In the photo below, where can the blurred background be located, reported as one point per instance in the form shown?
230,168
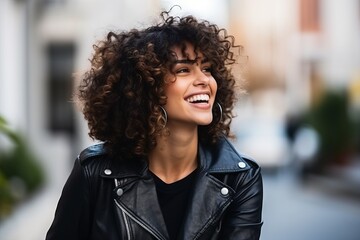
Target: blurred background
299,116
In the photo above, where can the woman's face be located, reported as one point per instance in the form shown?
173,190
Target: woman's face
191,89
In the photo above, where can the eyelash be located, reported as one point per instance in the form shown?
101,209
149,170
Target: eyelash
182,70
207,69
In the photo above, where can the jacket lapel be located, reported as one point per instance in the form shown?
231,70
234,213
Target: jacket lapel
205,206
134,192
136,199
210,196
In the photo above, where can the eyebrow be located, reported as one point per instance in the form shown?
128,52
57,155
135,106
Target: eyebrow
190,61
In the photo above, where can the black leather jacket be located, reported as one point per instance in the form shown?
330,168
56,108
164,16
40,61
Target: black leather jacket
105,199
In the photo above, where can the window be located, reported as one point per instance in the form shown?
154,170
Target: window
59,87
309,15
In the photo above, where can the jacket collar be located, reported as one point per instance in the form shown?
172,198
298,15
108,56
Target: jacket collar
219,158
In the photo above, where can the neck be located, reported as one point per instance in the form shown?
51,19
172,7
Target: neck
175,155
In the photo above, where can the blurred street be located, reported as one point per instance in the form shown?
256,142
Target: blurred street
314,211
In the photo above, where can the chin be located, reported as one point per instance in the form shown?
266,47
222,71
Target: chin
205,122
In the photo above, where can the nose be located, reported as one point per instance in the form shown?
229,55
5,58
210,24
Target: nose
201,78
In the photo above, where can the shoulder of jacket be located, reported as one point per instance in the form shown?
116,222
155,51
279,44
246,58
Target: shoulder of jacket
251,161
91,152
242,156
223,157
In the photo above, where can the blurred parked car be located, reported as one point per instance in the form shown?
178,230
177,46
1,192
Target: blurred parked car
265,141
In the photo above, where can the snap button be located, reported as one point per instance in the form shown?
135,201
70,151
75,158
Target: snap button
107,171
119,192
241,165
224,191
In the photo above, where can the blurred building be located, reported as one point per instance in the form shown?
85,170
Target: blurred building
297,50
43,43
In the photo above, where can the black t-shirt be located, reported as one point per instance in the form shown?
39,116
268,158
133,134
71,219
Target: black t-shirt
173,200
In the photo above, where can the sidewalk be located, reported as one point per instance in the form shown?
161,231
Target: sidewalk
31,220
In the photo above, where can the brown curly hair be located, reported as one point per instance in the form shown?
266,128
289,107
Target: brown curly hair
124,89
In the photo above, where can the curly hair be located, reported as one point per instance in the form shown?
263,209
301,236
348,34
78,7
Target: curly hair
123,92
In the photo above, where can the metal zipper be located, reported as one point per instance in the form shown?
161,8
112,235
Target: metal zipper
126,226
126,214
116,182
124,211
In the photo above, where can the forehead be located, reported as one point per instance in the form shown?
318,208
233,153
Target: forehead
186,51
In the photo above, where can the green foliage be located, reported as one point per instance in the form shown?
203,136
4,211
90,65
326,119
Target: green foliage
17,165
6,198
335,127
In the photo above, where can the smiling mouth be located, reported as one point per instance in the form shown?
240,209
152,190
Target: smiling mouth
201,98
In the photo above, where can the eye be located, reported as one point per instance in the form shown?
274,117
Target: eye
207,69
182,70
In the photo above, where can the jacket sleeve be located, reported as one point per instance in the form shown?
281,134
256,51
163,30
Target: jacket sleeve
71,221
243,220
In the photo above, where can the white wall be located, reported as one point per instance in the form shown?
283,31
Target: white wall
341,24
12,63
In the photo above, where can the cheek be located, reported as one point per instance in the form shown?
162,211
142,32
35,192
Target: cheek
170,90
169,85
213,85
176,88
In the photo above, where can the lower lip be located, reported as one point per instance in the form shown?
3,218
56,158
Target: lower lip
203,106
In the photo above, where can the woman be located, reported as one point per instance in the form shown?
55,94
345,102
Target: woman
160,100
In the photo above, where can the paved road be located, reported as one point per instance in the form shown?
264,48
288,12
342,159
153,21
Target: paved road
293,211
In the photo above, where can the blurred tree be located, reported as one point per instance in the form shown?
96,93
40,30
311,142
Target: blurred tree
330,118
20,173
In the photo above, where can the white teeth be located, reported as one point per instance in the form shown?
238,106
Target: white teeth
200,97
